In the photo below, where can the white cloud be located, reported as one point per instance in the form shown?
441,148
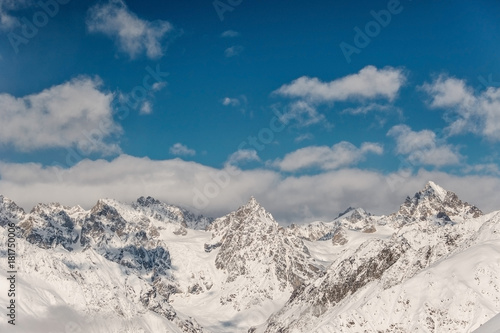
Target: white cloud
289,199
423,148
303,137
466,111
487,169
303,114
364,109
340,155
240,102
233,51
181,150
230,34
157,86
370,82
448,92
75,113
227,101
146,108
243,155
132,34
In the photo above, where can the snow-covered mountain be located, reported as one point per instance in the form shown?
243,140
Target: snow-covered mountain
432,266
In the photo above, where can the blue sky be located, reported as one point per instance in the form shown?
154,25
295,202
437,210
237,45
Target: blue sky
309,106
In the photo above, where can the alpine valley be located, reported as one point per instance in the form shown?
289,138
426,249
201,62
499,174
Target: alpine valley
432,266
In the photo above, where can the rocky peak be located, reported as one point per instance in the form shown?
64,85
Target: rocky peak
164,212
149,201
437,191
251,216
435,202
9,211
254,250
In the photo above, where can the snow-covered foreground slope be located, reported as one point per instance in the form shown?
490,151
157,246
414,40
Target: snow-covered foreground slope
432,266
61,291
435,274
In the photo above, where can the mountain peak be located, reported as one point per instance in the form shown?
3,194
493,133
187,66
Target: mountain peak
147,201
434,200
252,202
360,212
437,190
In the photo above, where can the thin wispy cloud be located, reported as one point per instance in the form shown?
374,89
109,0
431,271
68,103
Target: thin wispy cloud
230,34
304,137
228,101
233,51
181,150
8,19
302,114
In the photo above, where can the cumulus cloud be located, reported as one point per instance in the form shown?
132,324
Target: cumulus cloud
181,150
339,155
370,82
422,147
466,111
243,155
133,35
230,34
76,113
233,51
289,199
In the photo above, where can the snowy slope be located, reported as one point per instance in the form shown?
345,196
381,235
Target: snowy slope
429,277
432,266
492,326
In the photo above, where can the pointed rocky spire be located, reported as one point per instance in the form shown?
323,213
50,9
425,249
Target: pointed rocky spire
435,189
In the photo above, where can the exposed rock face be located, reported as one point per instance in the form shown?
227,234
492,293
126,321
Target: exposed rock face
255,251
126,235
434,201
136,246
9,211
351,219
339,237
431,265
433,225
160,211
51,225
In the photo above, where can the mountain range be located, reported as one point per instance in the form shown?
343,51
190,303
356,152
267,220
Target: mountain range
431,266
